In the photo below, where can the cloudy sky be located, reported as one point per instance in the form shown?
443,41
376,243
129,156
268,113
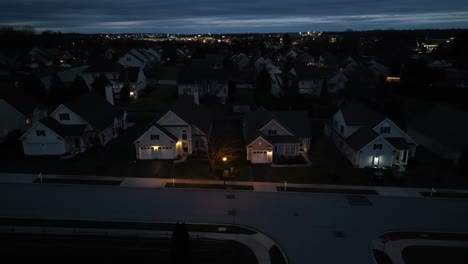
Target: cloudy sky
218,16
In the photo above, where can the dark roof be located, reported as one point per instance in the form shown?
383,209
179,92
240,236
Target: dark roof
137,55
358,114
64,130
193,73
169,134
445,124
96,110
105,66
296,122
129,74
309,72
23,103
398,143
361,137
193,114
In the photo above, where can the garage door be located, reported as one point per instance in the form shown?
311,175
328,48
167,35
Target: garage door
259,157
147,153
43,149
165,153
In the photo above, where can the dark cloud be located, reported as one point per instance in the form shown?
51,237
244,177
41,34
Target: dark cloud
180,16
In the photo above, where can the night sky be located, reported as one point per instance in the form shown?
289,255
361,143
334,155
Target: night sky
218,16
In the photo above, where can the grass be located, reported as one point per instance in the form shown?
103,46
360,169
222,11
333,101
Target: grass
210,186
158,99
192,169
78,181
327,190
121,225
435,254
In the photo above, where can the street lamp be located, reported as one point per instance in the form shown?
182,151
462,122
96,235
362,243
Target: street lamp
224,169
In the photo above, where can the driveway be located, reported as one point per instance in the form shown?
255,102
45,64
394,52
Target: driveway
262,172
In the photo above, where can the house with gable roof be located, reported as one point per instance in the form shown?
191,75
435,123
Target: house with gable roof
75,127
368,138
178,132
270,135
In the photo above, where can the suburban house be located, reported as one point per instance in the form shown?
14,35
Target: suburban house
19,113
205,84
337,82
369,139
309,79
179,132
139,58
74,127
273,135
276,79
442,130
132,77
66,76
108,68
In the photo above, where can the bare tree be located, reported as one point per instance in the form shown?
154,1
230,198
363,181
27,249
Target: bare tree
209,88
216,150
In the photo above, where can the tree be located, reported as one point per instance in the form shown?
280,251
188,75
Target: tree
286,41
262,88
33,85
78,87
181,245
99,85
209,89
218,149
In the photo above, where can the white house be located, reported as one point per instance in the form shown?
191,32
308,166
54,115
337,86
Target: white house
309,79
369,139
74,127
19,113
337,82
107,68
179,132
276,80
139,58
271,135
66,76
134,78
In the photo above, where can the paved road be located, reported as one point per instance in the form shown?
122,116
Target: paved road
301,223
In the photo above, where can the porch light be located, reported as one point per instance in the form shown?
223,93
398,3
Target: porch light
224,159
132,93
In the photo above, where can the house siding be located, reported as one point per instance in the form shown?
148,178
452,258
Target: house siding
258,144
366,155
74,118
31,141
273,125
164,140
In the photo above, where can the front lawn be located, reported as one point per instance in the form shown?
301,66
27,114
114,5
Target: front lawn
196,169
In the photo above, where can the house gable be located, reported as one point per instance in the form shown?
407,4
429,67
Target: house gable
395,131
260,144
274,125
171,119
145,139
74,119
30,136
5,105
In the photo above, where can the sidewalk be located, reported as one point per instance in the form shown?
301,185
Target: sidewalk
257,186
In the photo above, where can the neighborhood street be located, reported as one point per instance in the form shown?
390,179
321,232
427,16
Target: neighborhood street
311,228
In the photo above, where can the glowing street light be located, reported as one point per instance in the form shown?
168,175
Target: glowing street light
224,159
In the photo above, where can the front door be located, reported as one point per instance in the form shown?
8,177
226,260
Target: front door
185,147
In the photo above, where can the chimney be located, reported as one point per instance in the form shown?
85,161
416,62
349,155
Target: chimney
196,97
110,94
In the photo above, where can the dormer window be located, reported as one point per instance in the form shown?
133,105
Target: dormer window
384,130
272,132
64,116
154,137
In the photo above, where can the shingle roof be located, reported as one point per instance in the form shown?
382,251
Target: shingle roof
96,110
398,143
309,72
193,114
444,124
358,114
129,74
169,134
23,103
64,130
361,137
105,66
296,122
